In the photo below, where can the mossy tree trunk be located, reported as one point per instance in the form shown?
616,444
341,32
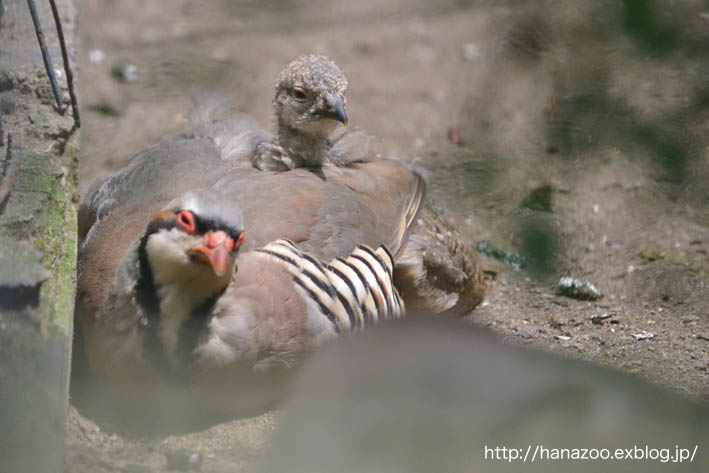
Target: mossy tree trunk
38,243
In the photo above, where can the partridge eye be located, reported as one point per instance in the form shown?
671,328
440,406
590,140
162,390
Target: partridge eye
186,221
299,93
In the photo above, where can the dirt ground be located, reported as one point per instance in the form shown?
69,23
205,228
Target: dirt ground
574,136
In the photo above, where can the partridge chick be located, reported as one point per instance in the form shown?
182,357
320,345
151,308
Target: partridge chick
309,113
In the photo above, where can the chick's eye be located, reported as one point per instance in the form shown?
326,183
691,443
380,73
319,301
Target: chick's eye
185,220
299,93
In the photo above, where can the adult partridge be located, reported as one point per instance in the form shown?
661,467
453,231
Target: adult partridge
146,288
204,351
180,325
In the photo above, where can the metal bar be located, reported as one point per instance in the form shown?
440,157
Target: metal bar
67,66
2,132
45,55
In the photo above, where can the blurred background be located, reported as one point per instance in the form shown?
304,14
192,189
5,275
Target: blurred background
563,139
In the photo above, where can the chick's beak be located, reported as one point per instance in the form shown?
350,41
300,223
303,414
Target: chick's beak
334,108
215,251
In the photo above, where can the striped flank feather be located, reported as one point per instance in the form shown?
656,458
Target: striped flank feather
349,292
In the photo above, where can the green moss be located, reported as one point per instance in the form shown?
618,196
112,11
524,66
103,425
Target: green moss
696,263
699,265
41,212
57,241
652,255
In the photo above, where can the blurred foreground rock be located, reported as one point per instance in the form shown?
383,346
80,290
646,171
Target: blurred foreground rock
38,241
425,395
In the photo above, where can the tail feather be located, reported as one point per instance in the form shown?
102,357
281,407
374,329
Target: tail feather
437,270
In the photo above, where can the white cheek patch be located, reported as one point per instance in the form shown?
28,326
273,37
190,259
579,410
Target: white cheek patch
167,253
171,264
182,285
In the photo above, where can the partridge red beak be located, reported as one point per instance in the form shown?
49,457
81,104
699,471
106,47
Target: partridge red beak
215,251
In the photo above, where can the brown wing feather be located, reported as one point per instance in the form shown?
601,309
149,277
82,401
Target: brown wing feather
412,209
329,211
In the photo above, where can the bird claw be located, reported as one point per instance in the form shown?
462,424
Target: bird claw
272,157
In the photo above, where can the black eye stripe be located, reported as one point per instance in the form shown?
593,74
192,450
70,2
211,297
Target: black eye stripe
159,224
202,225
206,224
